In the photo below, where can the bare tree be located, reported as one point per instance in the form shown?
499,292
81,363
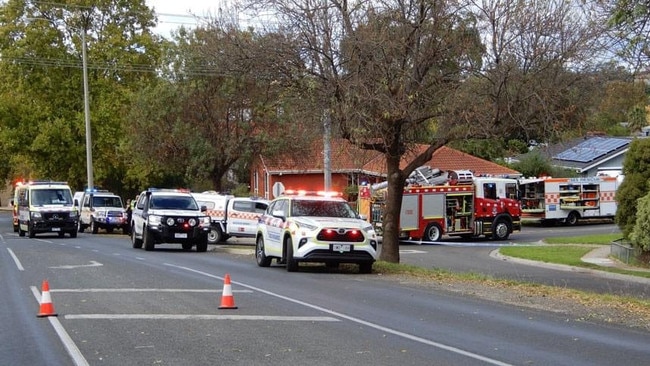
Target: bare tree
537,53
383,71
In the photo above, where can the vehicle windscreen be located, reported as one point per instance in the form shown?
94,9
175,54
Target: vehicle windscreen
51,196
107,202
173,203
322,209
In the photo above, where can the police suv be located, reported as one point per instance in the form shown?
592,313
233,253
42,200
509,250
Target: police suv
169,216
102,210
314,227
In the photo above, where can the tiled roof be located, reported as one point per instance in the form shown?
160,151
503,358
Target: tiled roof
346,157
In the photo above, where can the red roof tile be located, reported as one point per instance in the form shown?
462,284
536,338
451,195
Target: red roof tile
346,157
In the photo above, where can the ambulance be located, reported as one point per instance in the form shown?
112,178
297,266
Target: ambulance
568,200
231,216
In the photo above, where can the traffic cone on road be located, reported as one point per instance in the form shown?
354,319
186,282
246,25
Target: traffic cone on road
227,300
47,308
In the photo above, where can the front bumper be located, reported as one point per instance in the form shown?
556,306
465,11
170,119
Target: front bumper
166,234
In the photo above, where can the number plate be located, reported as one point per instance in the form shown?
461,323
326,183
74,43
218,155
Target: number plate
341,247
180,235
56,229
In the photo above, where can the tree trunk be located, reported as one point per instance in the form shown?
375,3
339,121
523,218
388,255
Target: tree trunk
390,244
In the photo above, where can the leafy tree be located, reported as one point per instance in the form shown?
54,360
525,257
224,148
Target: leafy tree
225,101
534,165
41,69
631,26
640,235
636,168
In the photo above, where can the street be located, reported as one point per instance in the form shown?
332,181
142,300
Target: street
121,306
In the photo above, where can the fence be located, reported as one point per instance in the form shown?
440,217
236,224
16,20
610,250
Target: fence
622,250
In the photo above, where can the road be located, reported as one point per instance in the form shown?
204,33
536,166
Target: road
120,306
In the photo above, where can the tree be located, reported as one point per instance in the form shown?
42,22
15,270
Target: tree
636,168
534,82
225,101
640,235
631,28
384,71
41,70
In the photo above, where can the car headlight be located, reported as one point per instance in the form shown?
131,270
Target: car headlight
155,219
205,221
101,213
302,225
36,215
170,221
192,222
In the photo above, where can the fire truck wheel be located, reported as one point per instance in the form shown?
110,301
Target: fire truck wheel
572,219
501,230
433,233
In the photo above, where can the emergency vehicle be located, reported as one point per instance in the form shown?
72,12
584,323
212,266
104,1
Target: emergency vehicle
45,207
231,216
568,200
465,206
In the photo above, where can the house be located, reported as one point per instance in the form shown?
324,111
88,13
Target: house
351,166
587,156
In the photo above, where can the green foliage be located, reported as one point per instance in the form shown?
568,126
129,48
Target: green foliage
636,168
534,165
488,149
640,235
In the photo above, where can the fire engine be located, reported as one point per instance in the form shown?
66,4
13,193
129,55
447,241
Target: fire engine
568,200
464,205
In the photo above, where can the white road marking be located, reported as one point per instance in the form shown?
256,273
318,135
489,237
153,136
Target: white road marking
16,260
68,343
79,290
359,321
200,317
92,264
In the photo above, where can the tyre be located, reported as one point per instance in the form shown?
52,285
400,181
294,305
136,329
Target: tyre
31,232
433,233
109,230
147,239
21,232
80,226
73,234
187,246
365,268
260,257
93,226
572,219
500,229
15,228
292,263
215,235
202,245
137,243
61,234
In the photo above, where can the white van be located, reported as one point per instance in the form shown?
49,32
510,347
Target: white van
46,206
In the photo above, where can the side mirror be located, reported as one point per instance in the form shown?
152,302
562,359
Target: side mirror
279,214
204,208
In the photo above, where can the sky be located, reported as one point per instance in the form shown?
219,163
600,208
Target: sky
174,13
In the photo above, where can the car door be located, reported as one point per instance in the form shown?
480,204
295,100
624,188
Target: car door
137,217
274,227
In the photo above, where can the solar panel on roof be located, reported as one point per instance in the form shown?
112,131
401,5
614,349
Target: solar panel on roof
591,149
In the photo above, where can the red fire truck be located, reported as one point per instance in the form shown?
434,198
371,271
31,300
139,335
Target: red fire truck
465,206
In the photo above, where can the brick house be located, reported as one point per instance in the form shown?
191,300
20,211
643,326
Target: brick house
351,167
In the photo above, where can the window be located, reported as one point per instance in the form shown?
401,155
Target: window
490,190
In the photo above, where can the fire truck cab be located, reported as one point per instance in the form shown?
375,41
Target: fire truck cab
464,206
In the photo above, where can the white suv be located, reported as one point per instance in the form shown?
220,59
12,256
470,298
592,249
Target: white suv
169,216
310,227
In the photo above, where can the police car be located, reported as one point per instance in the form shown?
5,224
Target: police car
320,227
169,216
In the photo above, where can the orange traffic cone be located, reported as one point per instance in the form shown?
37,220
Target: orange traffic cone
47,308
227,300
